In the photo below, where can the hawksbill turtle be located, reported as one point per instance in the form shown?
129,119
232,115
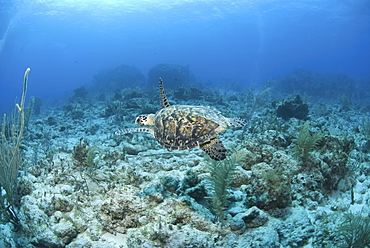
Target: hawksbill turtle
182,127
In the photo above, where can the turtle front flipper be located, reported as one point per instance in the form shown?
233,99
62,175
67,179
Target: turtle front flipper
135,130
236,122
164,100
215,149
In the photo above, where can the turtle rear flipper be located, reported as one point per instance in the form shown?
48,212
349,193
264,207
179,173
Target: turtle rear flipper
215,149
134,130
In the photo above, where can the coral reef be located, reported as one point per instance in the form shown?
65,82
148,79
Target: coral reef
293,107
286,183
328,86
118,78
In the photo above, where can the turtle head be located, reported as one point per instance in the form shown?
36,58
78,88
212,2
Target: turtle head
145,120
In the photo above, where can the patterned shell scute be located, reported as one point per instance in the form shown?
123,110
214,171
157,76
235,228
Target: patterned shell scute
182,127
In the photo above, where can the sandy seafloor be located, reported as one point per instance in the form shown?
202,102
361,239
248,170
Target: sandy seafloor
131,192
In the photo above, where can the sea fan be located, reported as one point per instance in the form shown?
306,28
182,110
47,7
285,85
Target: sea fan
219,179
355,230
307,142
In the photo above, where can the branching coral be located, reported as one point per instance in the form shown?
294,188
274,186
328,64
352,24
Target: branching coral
11,158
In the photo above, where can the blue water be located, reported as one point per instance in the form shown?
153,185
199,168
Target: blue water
66,42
